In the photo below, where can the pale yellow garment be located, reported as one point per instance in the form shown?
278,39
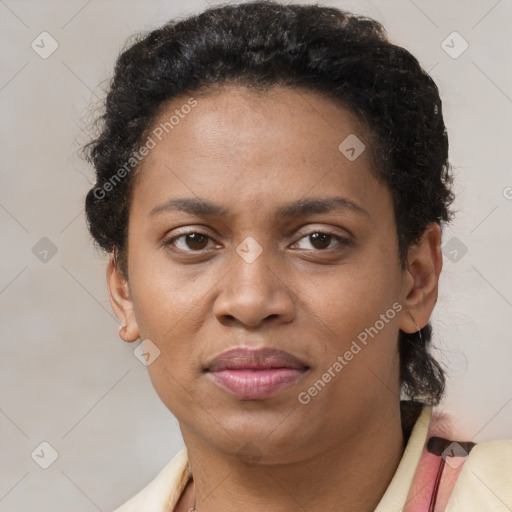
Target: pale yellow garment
484,484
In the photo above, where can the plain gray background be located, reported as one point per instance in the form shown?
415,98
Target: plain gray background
67,379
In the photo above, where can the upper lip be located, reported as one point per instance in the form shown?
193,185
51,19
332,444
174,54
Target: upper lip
242,358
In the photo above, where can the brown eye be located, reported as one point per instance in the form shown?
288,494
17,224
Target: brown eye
189,242
196,241
320,240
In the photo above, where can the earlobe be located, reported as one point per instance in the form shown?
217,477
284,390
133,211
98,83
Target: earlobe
421,280
121,301
128,335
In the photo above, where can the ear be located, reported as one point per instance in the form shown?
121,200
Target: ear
421,279
121,301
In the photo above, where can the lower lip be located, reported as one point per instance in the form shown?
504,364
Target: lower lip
256,384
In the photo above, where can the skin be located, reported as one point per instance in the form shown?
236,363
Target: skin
251,153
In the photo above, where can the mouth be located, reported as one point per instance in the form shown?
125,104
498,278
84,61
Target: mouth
255,374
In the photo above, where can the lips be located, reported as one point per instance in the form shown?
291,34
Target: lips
255,374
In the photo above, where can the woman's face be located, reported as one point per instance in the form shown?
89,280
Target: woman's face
277,237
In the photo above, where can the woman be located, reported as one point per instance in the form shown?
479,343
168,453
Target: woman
271,185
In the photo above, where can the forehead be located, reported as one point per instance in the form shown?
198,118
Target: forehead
255,147
235,114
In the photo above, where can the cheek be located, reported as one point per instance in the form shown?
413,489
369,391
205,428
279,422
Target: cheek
166,297
355,295
354,318
356,309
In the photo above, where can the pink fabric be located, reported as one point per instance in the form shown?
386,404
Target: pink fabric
440,464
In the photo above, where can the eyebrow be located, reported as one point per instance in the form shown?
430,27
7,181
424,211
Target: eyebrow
301,207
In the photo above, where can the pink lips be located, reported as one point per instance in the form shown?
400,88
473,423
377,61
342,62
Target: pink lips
255,374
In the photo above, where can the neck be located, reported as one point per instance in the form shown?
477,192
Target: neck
350,473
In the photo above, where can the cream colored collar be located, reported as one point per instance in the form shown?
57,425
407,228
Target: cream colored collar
395,496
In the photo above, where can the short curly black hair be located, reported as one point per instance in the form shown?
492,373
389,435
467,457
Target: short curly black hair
260,44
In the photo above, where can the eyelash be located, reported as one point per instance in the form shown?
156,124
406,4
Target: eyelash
340,239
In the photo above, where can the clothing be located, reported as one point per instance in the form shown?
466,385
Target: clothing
473,478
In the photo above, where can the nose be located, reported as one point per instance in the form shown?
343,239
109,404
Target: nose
254,292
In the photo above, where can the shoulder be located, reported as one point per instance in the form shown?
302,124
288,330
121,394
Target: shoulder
485,481
164,491
460,476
